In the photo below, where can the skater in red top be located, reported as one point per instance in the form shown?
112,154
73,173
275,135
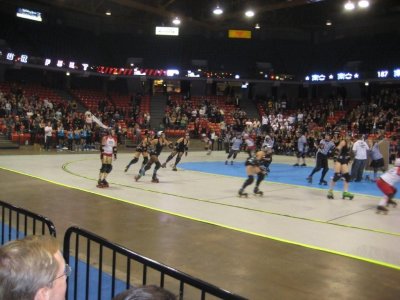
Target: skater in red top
386,183
108,148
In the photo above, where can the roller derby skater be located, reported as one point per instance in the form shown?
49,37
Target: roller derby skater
254,166
155,147
181,147
302,148
325,147
141,150
341,168
108,148
386,183
236,143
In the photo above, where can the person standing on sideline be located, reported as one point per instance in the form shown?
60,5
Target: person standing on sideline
360,150
341,168
302,145
33,268
377,162
386,183
48,132
326,147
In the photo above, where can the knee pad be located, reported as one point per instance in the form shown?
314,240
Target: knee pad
346,177
158,165
145,160
103,168
336,177
109,168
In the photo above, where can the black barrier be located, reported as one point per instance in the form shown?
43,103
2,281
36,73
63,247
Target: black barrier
17,223
123,265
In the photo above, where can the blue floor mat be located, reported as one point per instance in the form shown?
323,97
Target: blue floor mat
283,173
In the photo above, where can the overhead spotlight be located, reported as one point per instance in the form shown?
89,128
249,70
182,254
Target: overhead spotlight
257,26
218,10
249,13
108,12
366,83
67,74
363,3
328,23
176,21
349,5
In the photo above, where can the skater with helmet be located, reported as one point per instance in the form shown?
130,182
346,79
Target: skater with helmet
108,148
341,168
386,183
181,147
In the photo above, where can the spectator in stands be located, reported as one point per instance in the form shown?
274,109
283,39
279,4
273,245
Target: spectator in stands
33,268
150,292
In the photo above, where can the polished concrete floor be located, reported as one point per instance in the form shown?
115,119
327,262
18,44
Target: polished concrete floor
280,246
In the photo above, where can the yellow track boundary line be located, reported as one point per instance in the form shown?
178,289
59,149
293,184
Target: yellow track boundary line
376,262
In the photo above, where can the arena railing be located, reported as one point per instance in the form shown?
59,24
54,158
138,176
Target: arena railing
17,223
102,269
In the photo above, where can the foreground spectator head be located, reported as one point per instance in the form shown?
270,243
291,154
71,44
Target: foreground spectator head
32,269
150,292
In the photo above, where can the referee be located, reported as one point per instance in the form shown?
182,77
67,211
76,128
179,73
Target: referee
326,147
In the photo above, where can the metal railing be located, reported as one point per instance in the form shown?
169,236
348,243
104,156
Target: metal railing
17,223
93,258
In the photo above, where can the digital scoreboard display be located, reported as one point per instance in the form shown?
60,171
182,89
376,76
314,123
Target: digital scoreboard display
29,14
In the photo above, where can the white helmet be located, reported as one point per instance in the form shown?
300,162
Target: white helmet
397,162
159,133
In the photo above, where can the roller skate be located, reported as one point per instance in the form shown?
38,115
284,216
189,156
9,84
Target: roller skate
99,184
258,192
323,182
330,194
296,165
381,210
174,168
303,165
208,152
137,177
347,195
392,203
104,183
163,165
155,179
126,169
242,193
309,179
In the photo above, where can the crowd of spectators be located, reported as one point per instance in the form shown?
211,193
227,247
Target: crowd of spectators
30,114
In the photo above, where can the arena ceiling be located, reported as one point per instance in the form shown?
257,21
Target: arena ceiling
197,16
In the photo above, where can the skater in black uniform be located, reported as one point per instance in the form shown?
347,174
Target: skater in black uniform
325,148
254,166
141,149
181,147
341,168
156,146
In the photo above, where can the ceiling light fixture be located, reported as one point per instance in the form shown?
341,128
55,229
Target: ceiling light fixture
108,13
363,3
328,23
176,21
257,26
218,10
249,13
349,5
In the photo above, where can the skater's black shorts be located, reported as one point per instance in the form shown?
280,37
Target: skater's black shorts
301,154
322,161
